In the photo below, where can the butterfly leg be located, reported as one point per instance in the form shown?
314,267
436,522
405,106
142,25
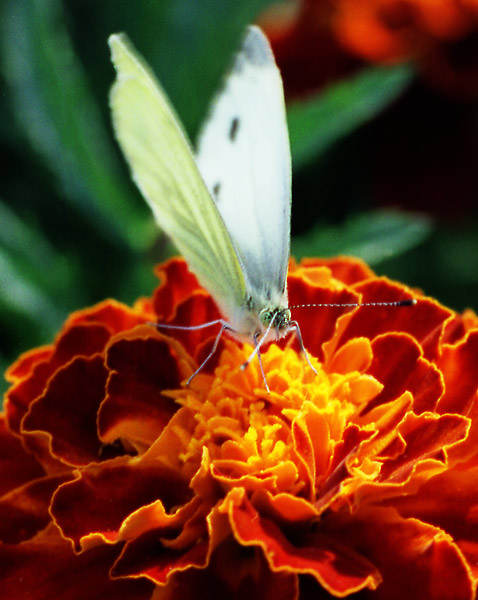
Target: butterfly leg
296,328
258,346
257,350
224,326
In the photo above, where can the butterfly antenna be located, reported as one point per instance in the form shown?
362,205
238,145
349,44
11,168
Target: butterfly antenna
406,302
295,325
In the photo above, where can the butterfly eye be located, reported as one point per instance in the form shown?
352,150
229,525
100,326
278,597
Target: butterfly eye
284,318
266,315
280,317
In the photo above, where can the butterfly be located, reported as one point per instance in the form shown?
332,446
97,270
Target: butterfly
227,209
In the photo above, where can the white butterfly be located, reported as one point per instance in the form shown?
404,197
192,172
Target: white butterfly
237,244
228,212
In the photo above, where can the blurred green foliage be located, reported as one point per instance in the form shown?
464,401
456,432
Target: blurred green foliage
73,228
317,122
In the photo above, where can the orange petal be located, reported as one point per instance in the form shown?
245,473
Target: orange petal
232,572
425,436
416,560
103,496
16,465
134,410
47,567
338,569
177,284
436,503
145,556
67,411
459,365
398,364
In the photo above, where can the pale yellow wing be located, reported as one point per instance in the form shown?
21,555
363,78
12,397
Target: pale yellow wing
163,167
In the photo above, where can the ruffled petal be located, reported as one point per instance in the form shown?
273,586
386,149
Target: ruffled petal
340,571
426,562
141,366
354,475
70,427
47,567
105,495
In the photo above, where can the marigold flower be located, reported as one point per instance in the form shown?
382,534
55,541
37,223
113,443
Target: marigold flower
440,36
119,482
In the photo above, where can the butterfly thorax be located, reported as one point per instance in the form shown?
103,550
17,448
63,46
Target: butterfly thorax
268,314
259,316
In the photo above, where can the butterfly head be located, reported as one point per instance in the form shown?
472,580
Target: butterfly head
276,320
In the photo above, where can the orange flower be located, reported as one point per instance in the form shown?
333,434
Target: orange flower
119,482
390,30
440,35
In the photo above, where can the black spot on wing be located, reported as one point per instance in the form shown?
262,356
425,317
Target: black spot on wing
216,188
234,128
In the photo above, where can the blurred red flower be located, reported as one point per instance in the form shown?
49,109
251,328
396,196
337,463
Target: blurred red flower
119,482
440,36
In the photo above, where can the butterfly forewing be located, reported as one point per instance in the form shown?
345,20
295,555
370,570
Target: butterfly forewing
164,169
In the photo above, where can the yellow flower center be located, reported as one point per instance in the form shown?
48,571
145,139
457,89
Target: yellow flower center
282,441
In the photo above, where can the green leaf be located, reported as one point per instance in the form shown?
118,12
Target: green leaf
374,236
29,255
19,239
318,122
22,295
59,116
188,42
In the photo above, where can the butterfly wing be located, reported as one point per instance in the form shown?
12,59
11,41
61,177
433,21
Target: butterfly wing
244,158
165,171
